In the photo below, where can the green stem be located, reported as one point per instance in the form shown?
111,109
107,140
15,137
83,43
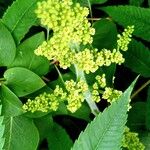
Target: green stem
60,75
90,10
47,36
2,79
88,96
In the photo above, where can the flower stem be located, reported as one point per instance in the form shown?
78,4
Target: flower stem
60,74
88,96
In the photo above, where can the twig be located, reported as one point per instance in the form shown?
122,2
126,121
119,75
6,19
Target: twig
140,89
46,79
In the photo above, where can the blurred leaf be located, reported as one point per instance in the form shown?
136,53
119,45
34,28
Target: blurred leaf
19,17
58,138
137,58
12,106
145,139
25,56
98,1
148,110
20,133
7,46
105,34
136,2
136,116
110,73
131,15
22,81
107,127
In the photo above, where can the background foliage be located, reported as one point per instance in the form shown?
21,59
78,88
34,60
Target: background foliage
25,75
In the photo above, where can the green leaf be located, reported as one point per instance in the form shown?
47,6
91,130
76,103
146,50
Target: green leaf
136,2
145,138
22,81
131,15
98,1
137,58
106,131
19,17
110,73
136,116
105,35
20,133
58,138
55,135
12,106
25,56
7,46
148,110
2,127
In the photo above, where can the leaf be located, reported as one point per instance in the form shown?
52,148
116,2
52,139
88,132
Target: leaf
19,17
148,110
98,1
25,56
137,58
136,116
136,2
110,73
55,135
12,106
2,127
58,138
22,81
20,133
105,34
106,131
145,138
131,15
7,46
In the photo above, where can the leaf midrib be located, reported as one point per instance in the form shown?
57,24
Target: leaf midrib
108,127
23,14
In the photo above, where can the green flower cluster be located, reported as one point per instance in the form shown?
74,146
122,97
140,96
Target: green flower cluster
70,25
43,103
71,28
90,60
124,39
131,141
74,95
109,94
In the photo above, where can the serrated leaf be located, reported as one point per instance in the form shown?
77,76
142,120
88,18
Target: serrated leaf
105,34
25,56
137,58
148,110
136,2
2,127
19,17
12,106
20,133
106,131
22,81
131,15
58,138
7,46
